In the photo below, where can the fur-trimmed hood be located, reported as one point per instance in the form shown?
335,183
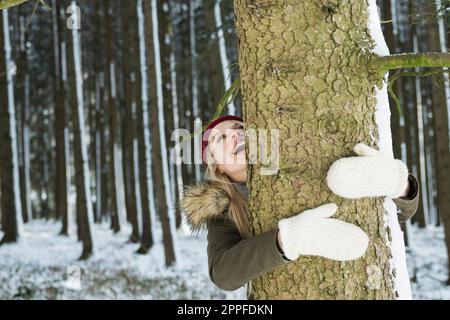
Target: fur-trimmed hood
203,201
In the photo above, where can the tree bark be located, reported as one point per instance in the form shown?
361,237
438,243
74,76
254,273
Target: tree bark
23,109
131,56
113,123
441,138
417,126
83,202
10,192
161,180
61,130
215,75
307,70
145,174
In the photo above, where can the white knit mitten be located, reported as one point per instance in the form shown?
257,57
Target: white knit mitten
372,174
314,233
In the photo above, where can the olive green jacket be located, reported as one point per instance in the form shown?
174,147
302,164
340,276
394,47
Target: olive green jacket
232,261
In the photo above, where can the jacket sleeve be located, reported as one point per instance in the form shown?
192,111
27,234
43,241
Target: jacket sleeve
408,205
232,261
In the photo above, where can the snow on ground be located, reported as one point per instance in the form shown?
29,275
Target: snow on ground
427,263
44,266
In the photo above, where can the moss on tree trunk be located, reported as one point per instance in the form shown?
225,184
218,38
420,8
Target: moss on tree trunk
307,69
5,4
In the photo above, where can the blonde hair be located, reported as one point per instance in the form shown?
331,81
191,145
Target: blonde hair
238,210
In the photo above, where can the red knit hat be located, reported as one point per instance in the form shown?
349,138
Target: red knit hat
208,130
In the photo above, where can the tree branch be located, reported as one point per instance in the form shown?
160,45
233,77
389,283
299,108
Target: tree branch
413,60
5,4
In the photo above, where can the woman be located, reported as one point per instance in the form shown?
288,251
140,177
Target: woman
220,204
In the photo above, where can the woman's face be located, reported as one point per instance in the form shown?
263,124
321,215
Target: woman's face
227,145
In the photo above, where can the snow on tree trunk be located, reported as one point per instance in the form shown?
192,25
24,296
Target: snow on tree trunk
436,43
145,161
193,48
421,154
160,155
61,130
223,53
11,208
176,122
382,119
23,109
130,155
114,169
308,69
84,204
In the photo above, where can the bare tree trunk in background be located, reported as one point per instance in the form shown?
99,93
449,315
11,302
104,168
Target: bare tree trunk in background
10,204
161,180
308,61
441,139
165,30
145,170
95,114
61,130
112,114
71,94
428,133
131,57
23,109
101,142
83,203
165,36
413,125
44,180
215,74
188,87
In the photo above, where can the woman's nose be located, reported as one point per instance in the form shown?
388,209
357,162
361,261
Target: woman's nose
238,133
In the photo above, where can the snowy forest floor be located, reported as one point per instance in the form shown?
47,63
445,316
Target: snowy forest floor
45,266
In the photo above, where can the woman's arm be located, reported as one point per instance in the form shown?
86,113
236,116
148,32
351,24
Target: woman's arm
408,204
233,262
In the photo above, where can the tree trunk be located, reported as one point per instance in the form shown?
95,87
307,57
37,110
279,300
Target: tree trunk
61,130
10,191
101,150
145,173
417,126
96,134
159,154
307,70
215,75
83,203
113,123
441,139
130,153
23,106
